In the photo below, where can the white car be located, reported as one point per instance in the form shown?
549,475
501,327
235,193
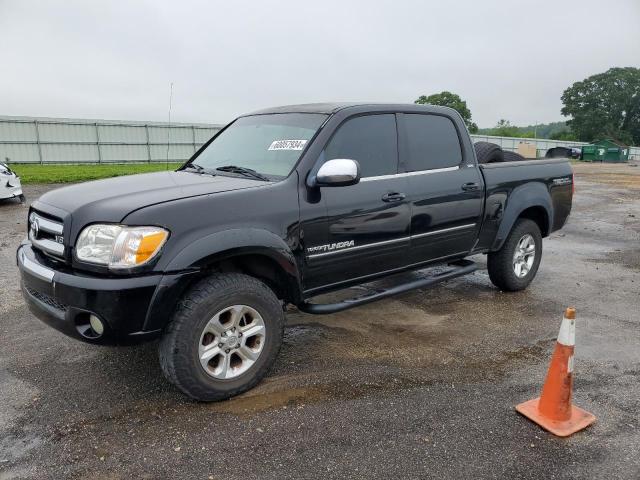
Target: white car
9,184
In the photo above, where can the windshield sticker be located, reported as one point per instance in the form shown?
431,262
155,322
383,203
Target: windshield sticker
287,145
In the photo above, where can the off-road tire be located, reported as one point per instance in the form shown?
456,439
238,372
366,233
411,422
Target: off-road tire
509,156
487,152
178,350
500,263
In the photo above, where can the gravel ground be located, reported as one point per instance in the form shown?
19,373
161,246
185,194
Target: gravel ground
419,386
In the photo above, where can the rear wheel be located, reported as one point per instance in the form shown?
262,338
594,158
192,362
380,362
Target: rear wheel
487,152
515,265
224,337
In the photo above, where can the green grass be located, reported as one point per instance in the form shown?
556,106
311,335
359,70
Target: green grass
81,173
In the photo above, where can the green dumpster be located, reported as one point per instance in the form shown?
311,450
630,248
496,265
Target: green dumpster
614,152
617,155
593,153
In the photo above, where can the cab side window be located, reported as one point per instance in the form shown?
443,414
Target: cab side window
432,142
371,140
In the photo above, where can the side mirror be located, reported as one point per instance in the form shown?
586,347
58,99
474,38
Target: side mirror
338,172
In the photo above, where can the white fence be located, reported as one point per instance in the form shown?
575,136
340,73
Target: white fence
56,140
511,143
542,145
60,140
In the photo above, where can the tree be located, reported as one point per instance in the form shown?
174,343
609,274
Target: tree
563,135
448,99
504,129
554,130
605,105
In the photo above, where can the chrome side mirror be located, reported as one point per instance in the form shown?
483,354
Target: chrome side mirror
338,172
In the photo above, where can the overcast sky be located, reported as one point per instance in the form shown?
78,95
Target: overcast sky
115,59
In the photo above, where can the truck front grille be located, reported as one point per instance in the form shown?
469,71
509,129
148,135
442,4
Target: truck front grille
45,234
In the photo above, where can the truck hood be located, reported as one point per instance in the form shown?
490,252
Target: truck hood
113,199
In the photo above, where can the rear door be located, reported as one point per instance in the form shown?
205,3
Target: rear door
445,190
367,227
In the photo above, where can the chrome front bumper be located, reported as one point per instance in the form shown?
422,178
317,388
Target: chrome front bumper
34,268
64,299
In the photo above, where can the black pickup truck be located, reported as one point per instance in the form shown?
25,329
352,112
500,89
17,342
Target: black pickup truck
278,207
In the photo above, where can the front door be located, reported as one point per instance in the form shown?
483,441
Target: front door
367,224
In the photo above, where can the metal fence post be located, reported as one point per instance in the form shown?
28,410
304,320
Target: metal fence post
35,123
98,143
193,137
146,131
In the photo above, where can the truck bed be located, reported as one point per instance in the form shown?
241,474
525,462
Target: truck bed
510,183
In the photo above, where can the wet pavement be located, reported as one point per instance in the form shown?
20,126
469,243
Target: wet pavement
419,386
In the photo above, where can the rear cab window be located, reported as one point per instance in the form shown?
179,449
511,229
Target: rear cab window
431,142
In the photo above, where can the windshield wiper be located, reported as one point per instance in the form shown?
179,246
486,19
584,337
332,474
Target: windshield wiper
198,169
247,172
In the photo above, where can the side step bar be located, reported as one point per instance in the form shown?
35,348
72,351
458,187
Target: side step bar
462,267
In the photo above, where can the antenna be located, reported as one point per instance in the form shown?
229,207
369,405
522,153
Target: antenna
169,123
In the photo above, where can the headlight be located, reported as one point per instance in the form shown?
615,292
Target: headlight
118,246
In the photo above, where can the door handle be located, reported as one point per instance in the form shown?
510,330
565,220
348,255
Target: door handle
470,187
393,197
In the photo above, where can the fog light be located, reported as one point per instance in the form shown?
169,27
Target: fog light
96,324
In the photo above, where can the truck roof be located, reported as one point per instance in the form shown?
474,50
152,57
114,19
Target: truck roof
333,107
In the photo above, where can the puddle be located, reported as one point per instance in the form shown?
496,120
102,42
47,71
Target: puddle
14,447
628,259
297,397
15,442
392,332
252,403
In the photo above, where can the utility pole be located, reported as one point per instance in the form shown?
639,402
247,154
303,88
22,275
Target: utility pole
169,124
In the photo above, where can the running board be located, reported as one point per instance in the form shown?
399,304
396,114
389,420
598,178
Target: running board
461,267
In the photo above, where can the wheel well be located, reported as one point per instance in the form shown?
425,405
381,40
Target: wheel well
538,215
263,268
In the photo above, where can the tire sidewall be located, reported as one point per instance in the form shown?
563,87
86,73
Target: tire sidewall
509,156
523,228
269,310
487,152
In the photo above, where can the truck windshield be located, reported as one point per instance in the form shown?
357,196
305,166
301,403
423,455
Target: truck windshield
267,144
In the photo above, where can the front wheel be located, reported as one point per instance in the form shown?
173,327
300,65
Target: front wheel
223,338
514,266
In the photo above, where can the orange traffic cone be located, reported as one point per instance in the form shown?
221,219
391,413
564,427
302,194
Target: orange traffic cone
553,410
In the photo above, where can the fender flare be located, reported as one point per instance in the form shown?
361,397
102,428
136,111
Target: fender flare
236,242
230,243
534,194
191,263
